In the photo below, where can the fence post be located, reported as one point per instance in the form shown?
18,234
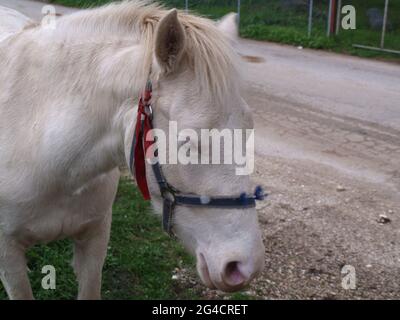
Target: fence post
331,17
338,16
310,14
187,6
384,24
238,12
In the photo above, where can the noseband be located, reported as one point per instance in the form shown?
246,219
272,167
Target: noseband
171,196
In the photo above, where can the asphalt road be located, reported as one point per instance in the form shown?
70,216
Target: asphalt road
328,150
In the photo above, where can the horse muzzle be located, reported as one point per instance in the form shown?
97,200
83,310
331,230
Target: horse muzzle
233,273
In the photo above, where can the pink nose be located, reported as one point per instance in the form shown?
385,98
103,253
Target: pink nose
233,273
237,274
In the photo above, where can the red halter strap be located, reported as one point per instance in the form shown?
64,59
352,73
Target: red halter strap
141,144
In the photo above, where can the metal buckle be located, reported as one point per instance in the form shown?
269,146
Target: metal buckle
168,194
149,111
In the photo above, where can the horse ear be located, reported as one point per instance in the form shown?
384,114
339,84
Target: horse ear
170,40
229,26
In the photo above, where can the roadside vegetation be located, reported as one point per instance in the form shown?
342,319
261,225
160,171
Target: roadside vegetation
286,21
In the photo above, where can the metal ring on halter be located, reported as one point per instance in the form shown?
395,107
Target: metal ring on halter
149,111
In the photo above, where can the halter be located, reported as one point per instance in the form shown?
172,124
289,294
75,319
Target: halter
171,196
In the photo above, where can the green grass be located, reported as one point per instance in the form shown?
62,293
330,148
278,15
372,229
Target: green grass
267,20
140,259
291,28
342,44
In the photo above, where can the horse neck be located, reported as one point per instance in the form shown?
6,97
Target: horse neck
107,91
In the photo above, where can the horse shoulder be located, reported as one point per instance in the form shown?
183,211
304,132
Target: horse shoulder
61,214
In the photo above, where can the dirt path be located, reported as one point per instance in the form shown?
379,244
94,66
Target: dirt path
328,151
328,146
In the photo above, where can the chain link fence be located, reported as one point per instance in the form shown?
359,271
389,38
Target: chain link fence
378,25
310,23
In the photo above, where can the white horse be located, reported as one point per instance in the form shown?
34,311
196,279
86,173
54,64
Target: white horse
68,102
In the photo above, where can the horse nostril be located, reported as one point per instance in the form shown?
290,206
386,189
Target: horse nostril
232,274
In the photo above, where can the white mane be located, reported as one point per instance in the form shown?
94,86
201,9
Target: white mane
208,51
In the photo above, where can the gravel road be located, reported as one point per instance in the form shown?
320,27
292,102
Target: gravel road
328,151
328,146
